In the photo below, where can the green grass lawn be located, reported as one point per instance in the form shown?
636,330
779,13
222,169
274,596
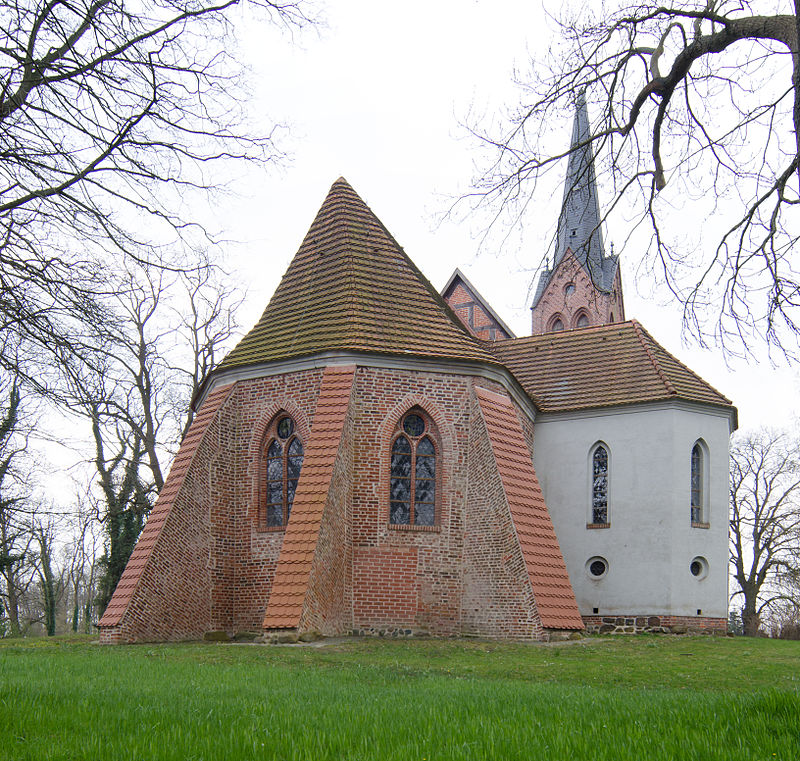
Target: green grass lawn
647,697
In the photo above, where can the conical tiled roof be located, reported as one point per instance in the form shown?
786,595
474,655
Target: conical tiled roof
351,287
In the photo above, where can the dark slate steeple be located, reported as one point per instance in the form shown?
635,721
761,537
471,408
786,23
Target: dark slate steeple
579,221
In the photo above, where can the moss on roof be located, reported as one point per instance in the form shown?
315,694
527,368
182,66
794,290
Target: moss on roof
351,287
602,366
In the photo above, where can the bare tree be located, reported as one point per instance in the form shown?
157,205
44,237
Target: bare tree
207,319
692,100
111,113
166,333
51,578
15,535
80,560
764,524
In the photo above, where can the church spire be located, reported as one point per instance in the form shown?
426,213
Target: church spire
583,287
579,221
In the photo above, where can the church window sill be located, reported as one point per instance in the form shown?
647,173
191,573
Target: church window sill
408,527
598,525
270,529
698,524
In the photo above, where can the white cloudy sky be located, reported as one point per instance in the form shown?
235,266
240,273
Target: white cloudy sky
378,95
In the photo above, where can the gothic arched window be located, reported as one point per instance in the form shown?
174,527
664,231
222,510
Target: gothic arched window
696,484
284,459
582,321
556,324
412,477
600,485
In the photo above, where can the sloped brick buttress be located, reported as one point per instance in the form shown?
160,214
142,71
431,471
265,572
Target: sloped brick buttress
165,590
310,578
546,571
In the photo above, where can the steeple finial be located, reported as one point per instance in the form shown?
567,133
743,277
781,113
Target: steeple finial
579,221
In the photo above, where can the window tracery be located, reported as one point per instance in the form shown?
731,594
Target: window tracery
284,459
600,485
412,477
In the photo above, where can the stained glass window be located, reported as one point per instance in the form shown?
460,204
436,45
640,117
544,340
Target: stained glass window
600,485
412,483
284,459
696,485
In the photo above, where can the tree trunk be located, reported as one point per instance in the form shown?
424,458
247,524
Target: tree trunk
750,619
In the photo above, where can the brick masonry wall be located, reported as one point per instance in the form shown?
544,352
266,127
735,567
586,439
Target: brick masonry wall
600,308
328,604
215,567
497,597
251,553
382,398
633,624
172,596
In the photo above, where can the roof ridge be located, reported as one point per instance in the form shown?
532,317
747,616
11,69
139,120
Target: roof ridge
570,331
446,308
684,365
352,287
640,333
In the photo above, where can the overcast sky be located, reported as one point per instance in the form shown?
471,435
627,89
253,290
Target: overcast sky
380,96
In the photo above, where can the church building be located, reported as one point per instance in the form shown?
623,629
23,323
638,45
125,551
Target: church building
375,457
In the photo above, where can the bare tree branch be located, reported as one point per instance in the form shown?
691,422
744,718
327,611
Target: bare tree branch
696,97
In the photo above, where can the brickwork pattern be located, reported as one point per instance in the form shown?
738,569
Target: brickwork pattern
598,306
328,603
555,601
249,555
498,597
383,396
289,589
339,566
164,592
475,317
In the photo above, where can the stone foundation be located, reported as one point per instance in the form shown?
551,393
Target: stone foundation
631,624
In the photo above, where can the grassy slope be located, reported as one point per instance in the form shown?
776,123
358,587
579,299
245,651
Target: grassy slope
618,698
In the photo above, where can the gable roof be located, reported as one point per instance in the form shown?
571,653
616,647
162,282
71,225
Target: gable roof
601,366
351,287
458,277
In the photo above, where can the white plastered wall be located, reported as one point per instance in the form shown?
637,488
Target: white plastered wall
651,542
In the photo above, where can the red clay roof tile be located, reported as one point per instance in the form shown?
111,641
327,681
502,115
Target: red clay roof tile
552,591
602,366
351,287
293,571
126,587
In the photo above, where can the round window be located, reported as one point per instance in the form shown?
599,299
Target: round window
698,567
596,567
569,289
414,425
285,428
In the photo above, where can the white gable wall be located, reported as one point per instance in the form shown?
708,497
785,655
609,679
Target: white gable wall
650,543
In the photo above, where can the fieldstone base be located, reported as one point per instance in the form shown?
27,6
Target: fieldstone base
630,624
